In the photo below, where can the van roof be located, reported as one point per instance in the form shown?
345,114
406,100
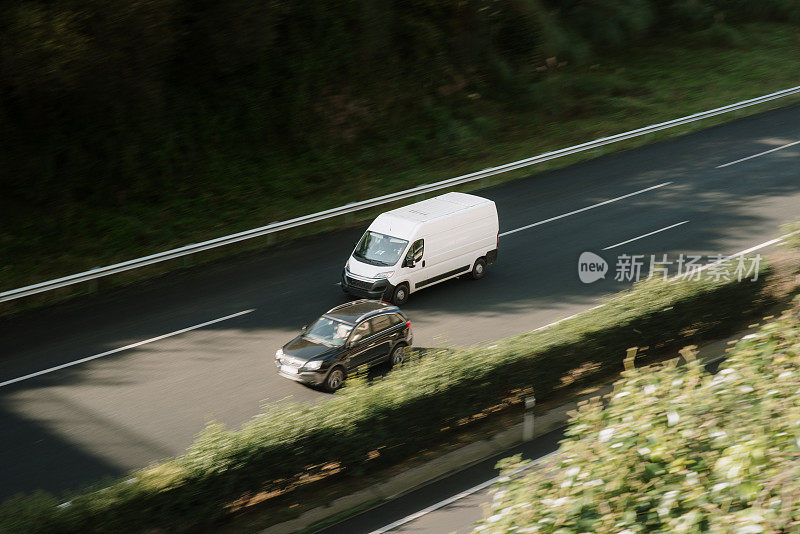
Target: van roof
403,222
436,207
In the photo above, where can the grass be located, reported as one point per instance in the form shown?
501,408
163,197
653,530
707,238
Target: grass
246,187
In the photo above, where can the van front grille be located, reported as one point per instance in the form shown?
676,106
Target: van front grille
359,283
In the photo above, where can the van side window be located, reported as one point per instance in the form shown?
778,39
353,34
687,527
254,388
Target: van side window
416,250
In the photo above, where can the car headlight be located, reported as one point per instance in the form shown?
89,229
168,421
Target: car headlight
279,354
387,274
313,365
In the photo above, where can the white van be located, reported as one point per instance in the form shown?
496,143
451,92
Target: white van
417,246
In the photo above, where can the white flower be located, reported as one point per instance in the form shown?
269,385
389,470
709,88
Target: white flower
572,471
644,451
622,394
673,418
649,389
745,389
605,434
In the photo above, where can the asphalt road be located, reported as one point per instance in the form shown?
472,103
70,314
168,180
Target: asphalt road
123,410
434,509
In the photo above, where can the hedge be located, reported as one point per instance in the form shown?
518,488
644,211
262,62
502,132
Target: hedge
677,450
395,416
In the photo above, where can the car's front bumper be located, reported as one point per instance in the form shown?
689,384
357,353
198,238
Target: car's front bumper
370,289
313,378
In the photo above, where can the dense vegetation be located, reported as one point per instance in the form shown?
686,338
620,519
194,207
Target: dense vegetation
677,450
370,425
129,126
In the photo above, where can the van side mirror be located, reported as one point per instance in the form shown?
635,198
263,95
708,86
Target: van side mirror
304,328
409,262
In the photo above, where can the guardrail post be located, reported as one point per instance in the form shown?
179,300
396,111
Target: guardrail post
689,353
630,356
527,421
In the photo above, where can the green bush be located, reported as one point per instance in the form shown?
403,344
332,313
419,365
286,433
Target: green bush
676,450
400,414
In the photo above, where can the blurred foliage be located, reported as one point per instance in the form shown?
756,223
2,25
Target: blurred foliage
396,416
676,450
793,241
130,126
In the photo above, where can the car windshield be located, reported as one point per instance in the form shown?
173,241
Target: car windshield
380,249
328,332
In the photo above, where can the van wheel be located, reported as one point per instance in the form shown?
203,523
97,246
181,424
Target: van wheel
400,296
479,269
335,379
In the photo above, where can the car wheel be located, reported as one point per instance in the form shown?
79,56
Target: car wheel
400,296
335,379
479,269
398,355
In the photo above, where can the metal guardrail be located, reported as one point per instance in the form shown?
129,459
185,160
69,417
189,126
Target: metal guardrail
377,201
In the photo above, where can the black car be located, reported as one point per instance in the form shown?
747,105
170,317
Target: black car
354,335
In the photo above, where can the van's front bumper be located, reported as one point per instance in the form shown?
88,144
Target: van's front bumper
370,289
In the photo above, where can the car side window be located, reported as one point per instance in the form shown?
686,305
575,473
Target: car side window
380,323
361,331
395,319
416,250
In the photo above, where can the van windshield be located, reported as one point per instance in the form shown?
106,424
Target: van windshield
379,249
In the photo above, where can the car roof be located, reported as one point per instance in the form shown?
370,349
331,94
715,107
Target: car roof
352,312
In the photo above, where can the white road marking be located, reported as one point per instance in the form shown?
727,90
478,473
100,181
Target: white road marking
646,235
741,253
120,349
551,219
759,154
454,498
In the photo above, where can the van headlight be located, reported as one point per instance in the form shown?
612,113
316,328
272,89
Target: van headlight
313,365
387,274
279,354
